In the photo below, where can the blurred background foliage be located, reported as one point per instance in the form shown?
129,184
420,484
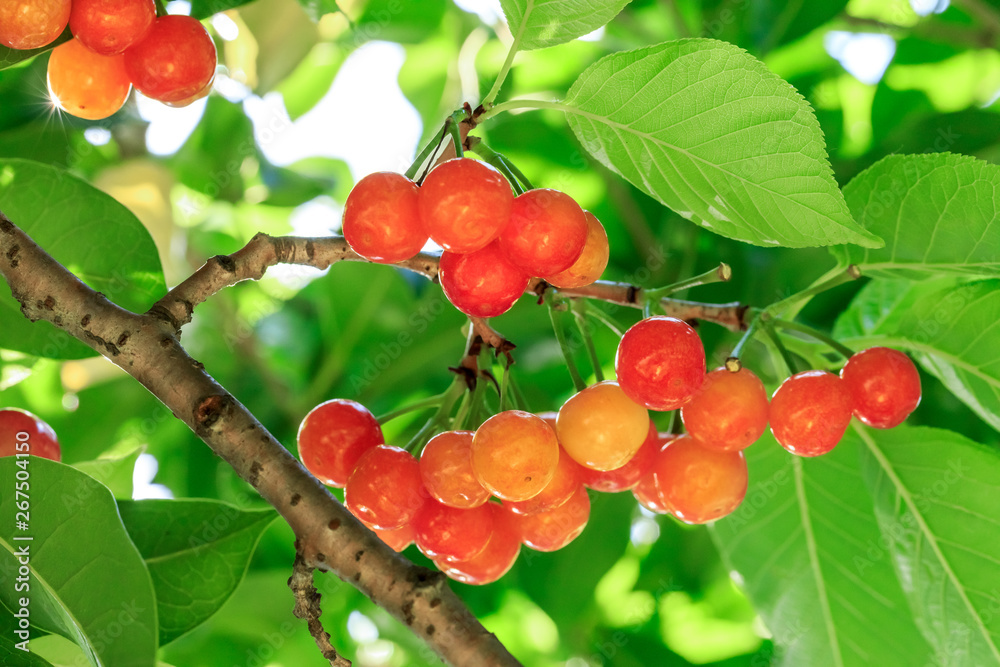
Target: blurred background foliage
302,109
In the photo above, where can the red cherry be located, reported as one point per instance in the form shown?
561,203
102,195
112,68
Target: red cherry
546,234
446,469
109,27
450,532
884,386
483,283
810,412
174,61
385,490
628,475
660,363
591,263
464,203
729,412
514,454
554,529
23,433
698,484
495,560
560,488
398,538
332,438
31,24
381,222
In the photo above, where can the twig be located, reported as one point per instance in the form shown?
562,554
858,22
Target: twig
307,600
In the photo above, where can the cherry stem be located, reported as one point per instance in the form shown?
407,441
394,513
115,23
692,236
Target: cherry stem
456,136
579,309
776,339
502,164
852,272
440,419
427,151
429,402
560,330
834,344
720,274
603,318
747,335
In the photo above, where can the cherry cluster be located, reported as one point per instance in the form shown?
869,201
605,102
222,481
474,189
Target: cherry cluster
493,242
116,44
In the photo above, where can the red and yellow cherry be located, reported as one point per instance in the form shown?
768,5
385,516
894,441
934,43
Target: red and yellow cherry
560,488
109,27
333,436
31,24
554,529
385,490
495,560
546,233
381,222
810,412
464,204
601,428
452,533
446,470
884,386
174,61
23,433
514,455
660,363
729,412
398,538
592,261
483,283
698,484
628,475
87,84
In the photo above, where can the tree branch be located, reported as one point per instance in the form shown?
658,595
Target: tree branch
146,346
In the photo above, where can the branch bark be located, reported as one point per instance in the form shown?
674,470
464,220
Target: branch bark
146,346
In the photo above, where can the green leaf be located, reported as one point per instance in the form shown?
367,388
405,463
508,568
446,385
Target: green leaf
952,331
113,472
11,655
197,552
539,23
202,9
89,233
87,580
709,131
937,213
797,541
937,504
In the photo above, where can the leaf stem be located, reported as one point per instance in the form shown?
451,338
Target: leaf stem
560,330
721,273
456,135
505,68
852,272
833,343
523,103
517,179
773,335
579,309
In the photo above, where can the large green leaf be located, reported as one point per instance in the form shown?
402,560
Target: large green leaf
89,233
800,542
197,552
953,332
937,504
11,655
87,580
113,472
939,213
709,131
539,23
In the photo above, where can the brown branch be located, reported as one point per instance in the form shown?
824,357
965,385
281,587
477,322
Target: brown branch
307,607
329,537
263,251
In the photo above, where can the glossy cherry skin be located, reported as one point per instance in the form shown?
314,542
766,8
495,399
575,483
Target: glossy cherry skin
495,560
546,233
483,283
884,386
592,260
333,436
628,475
446,469
514,454
698,484
174,61
810,412
729,412
380,221
385,490
398,538
464,204
31,24
109,27
601,427
87,84
554,529
564,483
660,363
23,433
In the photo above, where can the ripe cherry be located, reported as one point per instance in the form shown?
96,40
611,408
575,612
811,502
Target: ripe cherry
645,491
514,454
601,427
31,24
446,469
398,538
884,386
495,560
333,436
554,529
174,61
381,222
592,261
449,532
546,234
560,488
660,363
810,412
729,412
698,484
109,27
385,490
464,203
628,475
483,283
87,84
23,433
